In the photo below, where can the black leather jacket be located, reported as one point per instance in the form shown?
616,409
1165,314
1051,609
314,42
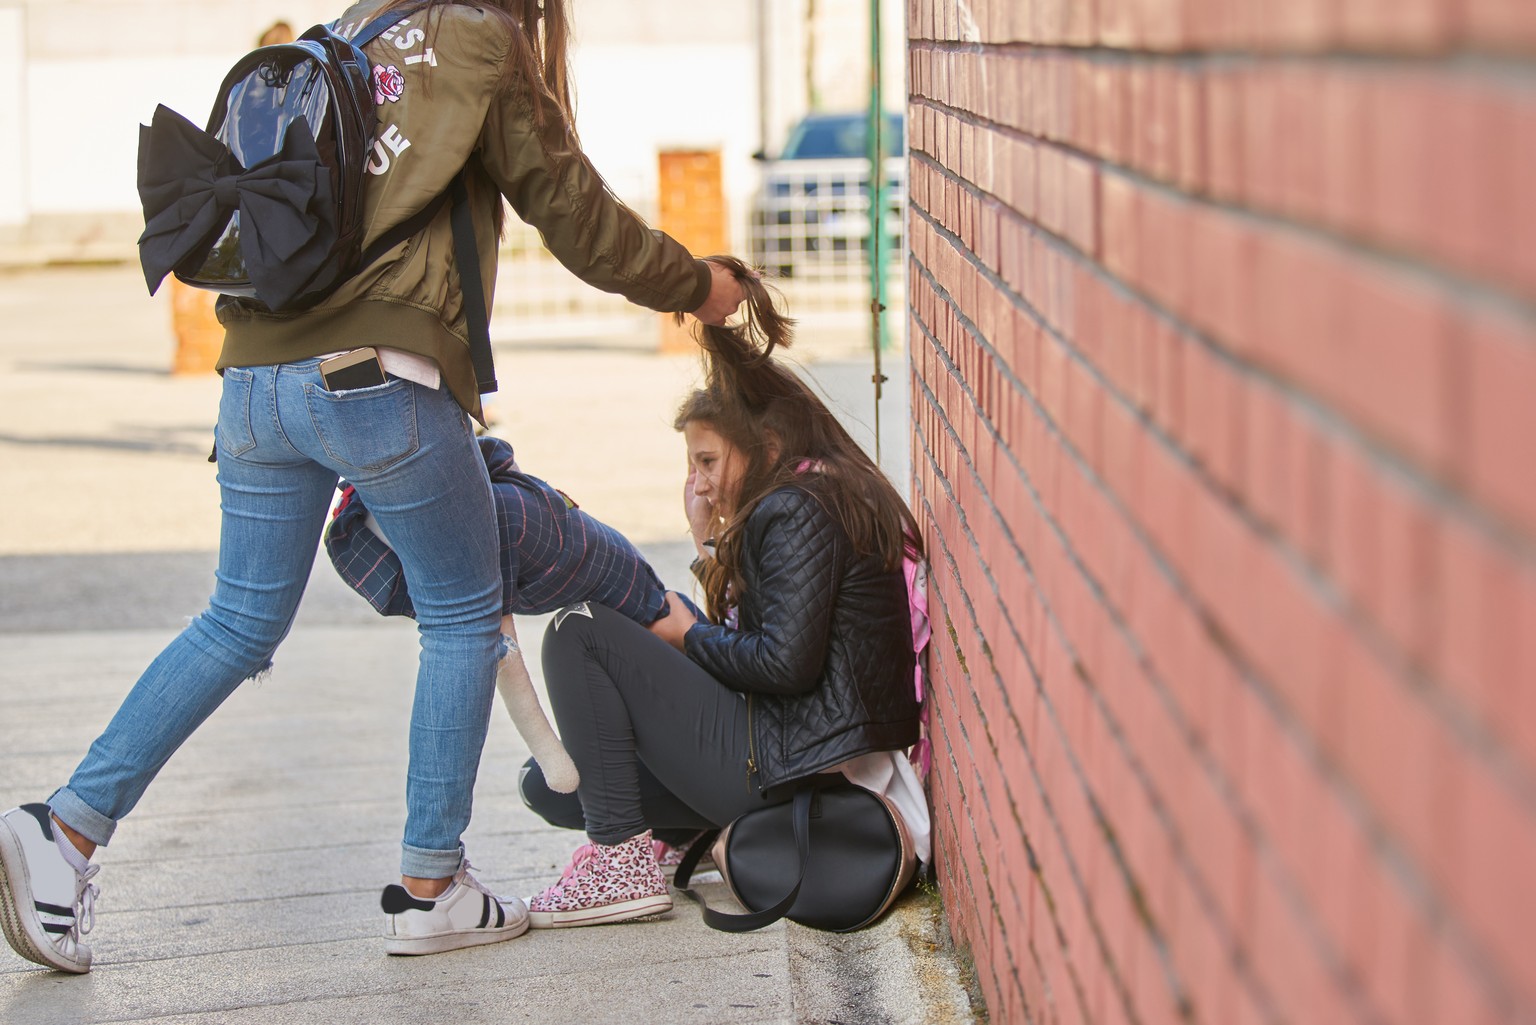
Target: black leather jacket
823,648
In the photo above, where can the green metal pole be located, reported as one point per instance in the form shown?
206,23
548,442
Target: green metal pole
877,246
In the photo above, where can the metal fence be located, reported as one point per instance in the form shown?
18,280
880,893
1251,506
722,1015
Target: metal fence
807,226
810,219
535,294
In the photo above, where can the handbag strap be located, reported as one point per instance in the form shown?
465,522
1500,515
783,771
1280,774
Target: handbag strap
801,817
692,857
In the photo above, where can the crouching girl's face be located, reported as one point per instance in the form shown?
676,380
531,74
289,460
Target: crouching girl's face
718,467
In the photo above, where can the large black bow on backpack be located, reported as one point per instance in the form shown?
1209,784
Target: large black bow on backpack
190,184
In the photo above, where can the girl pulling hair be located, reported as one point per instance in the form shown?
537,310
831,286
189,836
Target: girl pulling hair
803,664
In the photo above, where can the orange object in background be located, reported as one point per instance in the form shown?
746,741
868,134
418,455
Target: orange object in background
692,210
199,335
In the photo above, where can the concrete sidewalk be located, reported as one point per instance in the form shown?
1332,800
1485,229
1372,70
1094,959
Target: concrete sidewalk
245,884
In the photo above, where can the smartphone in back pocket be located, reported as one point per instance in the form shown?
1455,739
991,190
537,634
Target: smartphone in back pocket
359,368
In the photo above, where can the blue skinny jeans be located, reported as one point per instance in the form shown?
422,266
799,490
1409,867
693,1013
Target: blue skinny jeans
283,441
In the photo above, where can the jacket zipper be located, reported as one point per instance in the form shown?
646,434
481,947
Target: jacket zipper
751,746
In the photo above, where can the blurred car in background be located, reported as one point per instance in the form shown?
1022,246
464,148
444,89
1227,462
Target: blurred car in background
810,217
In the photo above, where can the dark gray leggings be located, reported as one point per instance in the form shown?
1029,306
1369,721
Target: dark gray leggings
660,743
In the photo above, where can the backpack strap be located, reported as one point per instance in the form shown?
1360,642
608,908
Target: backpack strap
466,251
408,228
466,257
377,26
418,221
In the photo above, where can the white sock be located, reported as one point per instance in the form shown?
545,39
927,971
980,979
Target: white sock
442,896
77,861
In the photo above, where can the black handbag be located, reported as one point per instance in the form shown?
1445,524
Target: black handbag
834,858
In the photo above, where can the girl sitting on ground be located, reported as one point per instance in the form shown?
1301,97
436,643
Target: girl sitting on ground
803,665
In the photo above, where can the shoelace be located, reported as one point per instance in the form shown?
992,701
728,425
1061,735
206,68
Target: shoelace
86,893
466,879
584,854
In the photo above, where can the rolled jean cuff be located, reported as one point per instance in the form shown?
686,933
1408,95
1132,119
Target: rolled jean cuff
420,863
81,817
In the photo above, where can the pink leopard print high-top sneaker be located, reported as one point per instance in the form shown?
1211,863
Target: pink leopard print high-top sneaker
603,884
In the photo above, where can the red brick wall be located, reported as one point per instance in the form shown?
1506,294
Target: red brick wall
1223,329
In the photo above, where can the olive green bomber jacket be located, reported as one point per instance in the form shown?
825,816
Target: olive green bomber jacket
442,107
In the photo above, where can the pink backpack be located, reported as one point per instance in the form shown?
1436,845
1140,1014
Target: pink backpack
916,574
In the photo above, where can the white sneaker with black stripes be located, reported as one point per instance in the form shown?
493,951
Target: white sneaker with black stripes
465,915
46,904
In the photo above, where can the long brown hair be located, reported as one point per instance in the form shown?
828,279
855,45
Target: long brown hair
787,436
539,57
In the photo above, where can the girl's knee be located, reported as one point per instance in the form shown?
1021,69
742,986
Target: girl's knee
244,646
576,624
575,619
570,627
